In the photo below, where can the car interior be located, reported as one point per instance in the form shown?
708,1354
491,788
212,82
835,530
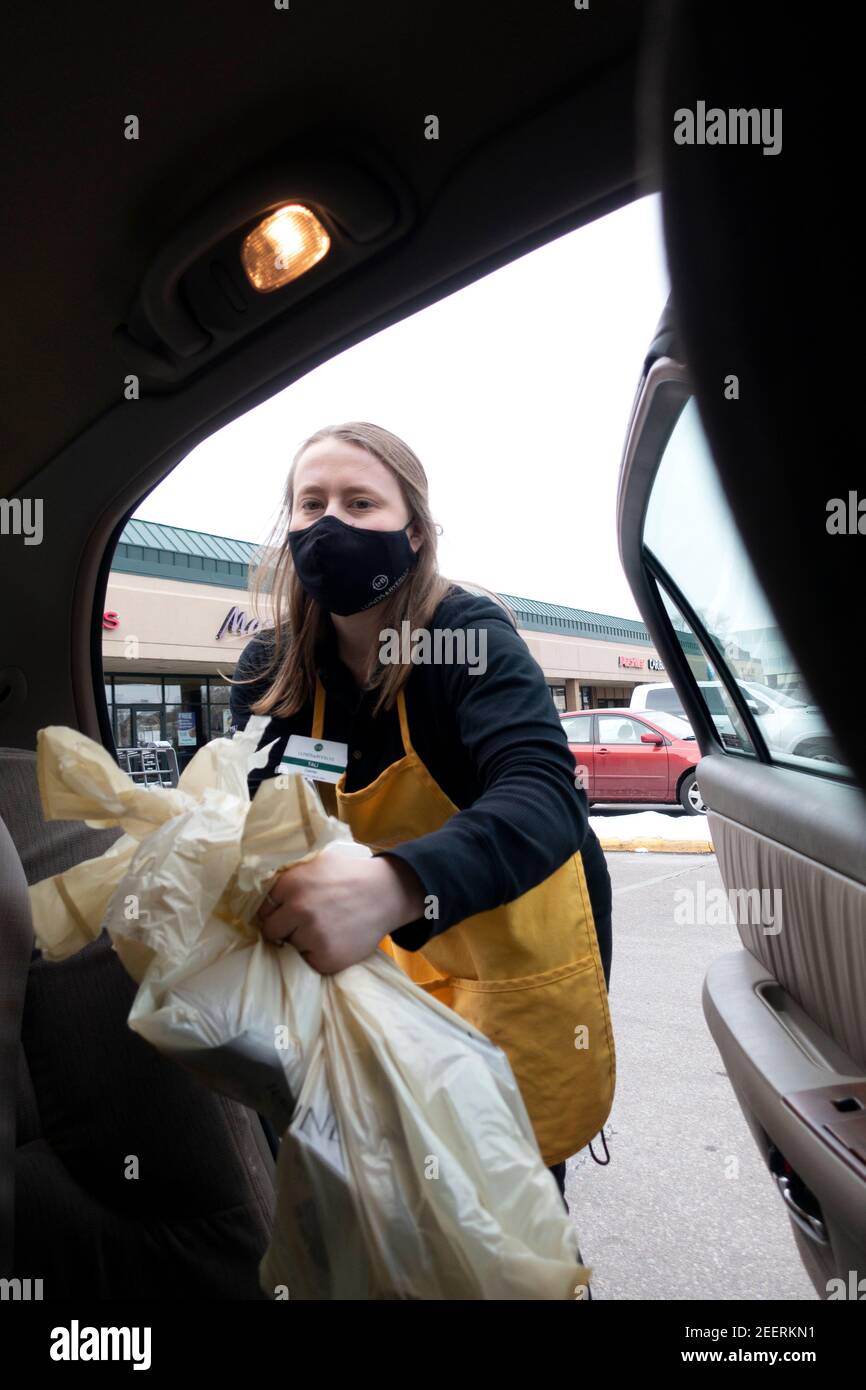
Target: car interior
143,150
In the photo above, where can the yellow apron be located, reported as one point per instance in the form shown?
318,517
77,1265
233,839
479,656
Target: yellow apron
528,975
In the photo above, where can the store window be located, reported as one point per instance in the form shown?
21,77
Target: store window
129,690
558,694
604,696
183,727
122,725
188,690
183,711
220,720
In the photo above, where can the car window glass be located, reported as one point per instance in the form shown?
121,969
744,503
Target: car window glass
577,729
673,724
715,696
726,717
707,560
617,728
755,705
643,728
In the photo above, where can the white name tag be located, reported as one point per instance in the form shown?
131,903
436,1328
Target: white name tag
320,759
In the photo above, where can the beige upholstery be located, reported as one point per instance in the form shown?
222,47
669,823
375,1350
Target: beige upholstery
819,955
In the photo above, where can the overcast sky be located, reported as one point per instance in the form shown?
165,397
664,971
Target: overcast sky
514,393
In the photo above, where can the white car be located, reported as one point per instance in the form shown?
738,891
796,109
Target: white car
789,725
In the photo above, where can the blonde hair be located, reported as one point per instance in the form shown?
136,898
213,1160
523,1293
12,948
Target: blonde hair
299,621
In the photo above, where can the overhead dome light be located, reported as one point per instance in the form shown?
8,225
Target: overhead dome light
286,244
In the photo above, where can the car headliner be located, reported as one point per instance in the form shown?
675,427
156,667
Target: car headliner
217,87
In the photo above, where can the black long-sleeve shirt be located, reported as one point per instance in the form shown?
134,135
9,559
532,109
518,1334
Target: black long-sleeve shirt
494,744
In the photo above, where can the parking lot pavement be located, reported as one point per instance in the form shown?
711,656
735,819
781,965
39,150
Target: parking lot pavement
686,1208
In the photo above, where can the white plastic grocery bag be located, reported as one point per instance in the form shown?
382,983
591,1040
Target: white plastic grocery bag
408,1167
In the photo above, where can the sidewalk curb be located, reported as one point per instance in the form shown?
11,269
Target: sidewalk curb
659,846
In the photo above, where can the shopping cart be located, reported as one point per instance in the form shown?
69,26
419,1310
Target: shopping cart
150,765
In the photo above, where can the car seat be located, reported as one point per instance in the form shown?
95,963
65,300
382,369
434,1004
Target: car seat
120,1175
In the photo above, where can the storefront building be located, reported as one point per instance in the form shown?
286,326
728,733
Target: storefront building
590,660
177,617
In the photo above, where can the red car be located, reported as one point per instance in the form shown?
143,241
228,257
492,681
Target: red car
635,757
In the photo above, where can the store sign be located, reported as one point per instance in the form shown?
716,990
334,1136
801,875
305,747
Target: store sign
634,663
237,624
110,619
653,664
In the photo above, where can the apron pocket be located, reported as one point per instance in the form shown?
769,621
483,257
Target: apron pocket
554,1027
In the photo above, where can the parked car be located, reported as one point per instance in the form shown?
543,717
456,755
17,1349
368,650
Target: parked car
635,759
789,725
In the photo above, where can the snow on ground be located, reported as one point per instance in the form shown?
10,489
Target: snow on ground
651,825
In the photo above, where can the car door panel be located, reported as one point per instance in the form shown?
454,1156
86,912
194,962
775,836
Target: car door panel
816,946
786,1011
824,821
772,1049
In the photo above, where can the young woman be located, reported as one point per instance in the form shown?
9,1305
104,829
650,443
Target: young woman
486,885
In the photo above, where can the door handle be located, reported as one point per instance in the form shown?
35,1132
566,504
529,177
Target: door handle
812,1226
601,750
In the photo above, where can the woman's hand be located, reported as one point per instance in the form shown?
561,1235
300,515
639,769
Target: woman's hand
336,910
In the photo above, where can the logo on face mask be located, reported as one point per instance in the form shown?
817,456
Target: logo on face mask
380,581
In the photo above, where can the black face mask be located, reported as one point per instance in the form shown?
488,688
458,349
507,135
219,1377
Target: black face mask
349,568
